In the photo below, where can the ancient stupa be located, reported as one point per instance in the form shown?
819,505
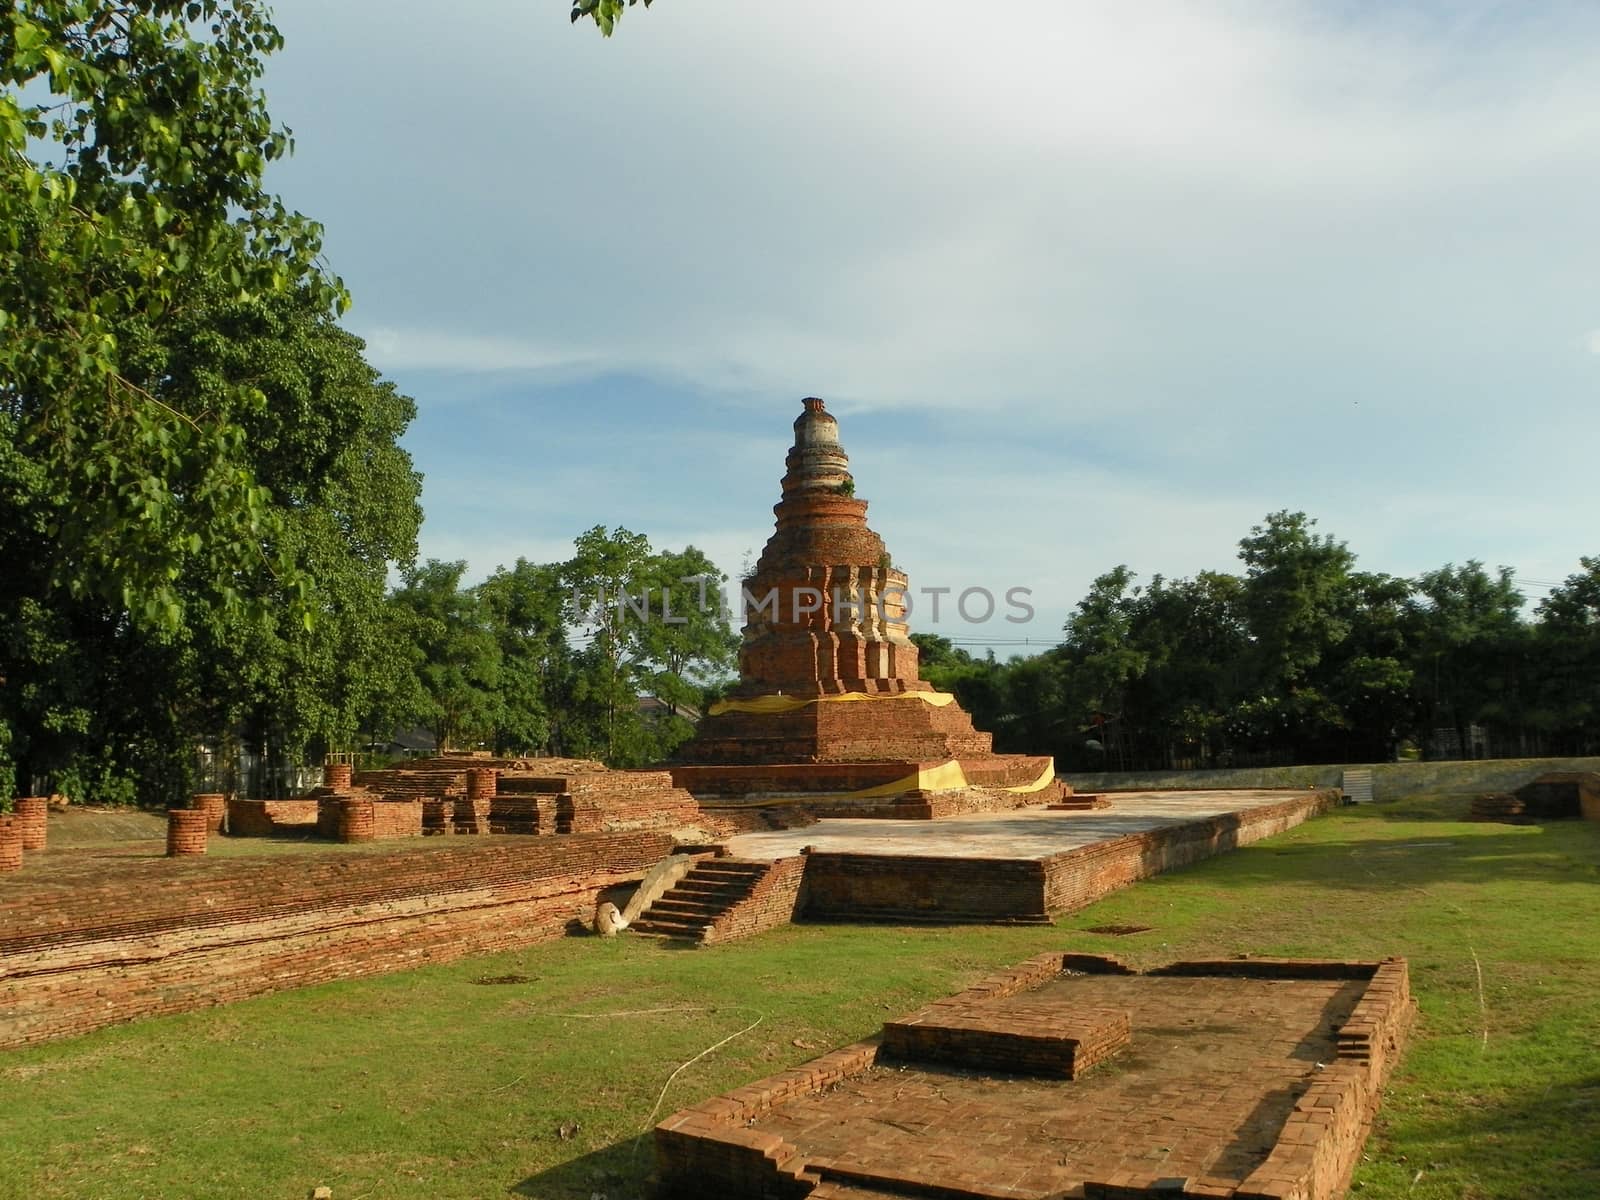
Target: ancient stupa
829,701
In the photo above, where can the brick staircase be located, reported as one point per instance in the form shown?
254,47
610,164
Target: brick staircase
711,889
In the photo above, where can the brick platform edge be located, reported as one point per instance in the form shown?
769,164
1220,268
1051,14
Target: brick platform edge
885,887
205,932
709,1150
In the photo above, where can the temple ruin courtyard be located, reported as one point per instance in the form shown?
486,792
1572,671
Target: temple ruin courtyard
862,955
458,1080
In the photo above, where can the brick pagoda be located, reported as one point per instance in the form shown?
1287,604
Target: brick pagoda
829,700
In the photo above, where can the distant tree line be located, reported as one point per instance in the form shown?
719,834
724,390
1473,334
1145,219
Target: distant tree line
1299,658
556,658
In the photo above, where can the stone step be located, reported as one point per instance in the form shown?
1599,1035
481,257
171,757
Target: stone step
694,930
679,920
720,872
700,914
717,889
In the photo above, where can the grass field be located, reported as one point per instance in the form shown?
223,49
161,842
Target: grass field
536,1073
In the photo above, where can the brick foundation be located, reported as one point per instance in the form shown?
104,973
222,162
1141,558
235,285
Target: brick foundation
32,813
896,887
1019,1040
1181,1124
99,942
396,819
1079,877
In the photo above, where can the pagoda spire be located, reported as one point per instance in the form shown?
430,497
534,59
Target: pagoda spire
826,607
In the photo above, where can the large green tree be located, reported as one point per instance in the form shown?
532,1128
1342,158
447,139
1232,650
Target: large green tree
651,624
1560,681
110,704
199,485
133,144
525,609
459,657
1468,636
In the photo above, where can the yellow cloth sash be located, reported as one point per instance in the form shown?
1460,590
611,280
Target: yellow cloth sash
781,704
941,777
949,776
1046,777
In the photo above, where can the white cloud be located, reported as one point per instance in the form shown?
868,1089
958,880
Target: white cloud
400,349
1231,255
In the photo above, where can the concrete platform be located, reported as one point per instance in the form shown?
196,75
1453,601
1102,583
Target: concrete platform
1027,833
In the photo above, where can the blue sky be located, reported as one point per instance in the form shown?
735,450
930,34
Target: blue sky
1085,284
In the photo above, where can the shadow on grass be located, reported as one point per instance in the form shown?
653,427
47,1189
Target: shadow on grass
620,1171
1544,1141
1379,859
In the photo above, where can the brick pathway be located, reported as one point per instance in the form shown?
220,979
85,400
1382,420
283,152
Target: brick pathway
1213,1068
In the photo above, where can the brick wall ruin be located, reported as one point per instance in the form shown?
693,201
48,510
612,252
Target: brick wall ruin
142,937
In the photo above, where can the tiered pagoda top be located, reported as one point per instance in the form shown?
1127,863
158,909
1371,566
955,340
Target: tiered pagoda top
825,612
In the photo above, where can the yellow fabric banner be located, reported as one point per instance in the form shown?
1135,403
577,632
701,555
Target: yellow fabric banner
941,777
780,704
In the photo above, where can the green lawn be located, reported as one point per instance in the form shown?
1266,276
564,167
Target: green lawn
534,1073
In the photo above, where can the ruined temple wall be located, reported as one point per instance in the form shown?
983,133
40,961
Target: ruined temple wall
263,818
210,932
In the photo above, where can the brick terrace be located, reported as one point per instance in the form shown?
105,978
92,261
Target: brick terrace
1231,1086
1023,865
1023,833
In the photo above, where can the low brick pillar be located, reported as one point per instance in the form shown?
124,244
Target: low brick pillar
482,783
357,822
336,776
186,832
214,805
10,844
31,812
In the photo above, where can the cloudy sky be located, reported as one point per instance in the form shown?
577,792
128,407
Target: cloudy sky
1086,284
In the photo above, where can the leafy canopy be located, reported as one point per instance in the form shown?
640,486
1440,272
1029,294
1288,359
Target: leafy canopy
133,142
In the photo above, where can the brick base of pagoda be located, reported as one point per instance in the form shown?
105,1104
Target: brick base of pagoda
712,780
835,731
825,751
